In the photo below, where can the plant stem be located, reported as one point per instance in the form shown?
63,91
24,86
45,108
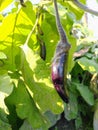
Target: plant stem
84,7
30,34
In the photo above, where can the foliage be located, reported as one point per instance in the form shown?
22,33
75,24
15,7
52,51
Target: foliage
27,95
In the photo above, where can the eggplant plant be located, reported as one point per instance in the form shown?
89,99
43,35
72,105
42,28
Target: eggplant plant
31,67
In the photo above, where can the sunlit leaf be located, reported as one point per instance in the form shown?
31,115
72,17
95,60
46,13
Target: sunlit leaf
4,4
87,64
6,88
16,26
6,28
73,8
2,55
36,75
1,18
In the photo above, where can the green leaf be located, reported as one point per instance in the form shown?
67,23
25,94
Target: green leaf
86,93
6,29
2,55
71,52
87,64
5,84
26,126
78,122
71,109
6,88
25,106
73,8
1,18
52,117
36,74
3,116
16,26
4,126
50,36
4,4
13,58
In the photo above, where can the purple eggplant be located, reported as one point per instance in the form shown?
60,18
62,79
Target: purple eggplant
59,64
58,67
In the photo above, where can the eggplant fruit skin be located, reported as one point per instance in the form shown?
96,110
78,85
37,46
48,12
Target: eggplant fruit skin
58,68
43,51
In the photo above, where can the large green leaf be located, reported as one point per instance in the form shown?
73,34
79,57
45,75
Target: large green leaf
13,33
25,106
26,18
37,76
16,26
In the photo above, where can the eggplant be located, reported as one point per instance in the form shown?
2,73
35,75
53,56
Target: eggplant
59,64
58,69
43,50
42,47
